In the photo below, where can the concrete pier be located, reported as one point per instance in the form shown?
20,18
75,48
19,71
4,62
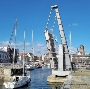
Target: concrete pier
78,80
5,75
54,79
5,71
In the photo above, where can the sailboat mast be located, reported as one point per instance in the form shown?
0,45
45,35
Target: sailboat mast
70,41
14,42
32,45
24,53
14,49
24,42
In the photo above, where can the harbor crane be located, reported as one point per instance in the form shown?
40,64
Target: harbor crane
63,59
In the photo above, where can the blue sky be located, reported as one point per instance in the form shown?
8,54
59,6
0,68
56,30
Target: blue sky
33,15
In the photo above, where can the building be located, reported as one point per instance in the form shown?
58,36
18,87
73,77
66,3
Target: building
28,56
3,54
7,54
3,49
13,56
80,56
81,50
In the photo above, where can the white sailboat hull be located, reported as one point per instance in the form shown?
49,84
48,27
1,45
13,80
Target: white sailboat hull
24,80
30,67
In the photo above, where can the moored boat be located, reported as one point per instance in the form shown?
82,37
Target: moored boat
17,81
20,76
29,67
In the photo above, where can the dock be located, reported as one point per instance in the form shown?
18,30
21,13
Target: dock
5,71
78,80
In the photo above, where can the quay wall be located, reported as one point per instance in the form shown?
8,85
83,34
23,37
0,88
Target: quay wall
5,71
78,79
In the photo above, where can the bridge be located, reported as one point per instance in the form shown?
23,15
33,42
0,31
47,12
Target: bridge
63,59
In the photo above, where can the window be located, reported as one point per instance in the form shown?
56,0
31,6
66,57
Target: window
3,56
0,55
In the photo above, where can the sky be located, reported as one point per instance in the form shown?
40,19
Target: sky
33,15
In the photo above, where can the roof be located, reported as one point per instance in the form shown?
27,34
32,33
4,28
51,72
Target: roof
81,55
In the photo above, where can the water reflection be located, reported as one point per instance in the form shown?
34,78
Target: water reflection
39,79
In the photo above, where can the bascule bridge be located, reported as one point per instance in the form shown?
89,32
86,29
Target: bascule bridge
62,61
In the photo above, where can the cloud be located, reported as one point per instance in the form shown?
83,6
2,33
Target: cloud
4,43
39,44
22,44
75,24
73,49
39,47
18,45
44,48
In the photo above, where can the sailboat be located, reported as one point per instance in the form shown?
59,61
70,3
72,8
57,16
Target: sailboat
20,77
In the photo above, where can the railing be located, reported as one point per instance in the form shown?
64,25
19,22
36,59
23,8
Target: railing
9,65
5,64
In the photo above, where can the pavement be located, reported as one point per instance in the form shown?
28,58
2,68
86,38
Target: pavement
78,79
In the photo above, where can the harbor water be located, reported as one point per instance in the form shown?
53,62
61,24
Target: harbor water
38,79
